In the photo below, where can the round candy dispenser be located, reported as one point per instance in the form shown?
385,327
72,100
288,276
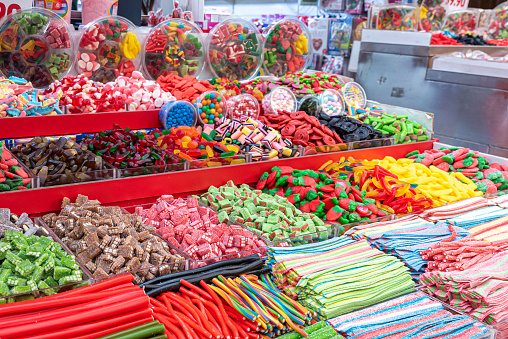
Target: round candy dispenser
354,95
498,25
310,104
432,15
461,21
331,102
210,106
108,48
287,48
398,18
178,113
233,49
36,45
279,99
174,46
242,105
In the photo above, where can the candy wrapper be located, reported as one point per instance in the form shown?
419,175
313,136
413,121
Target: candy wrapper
93,9
340,35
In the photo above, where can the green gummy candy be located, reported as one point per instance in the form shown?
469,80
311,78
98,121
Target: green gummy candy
60,272
4,289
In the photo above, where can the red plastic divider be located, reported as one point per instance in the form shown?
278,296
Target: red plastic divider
144,189
27,127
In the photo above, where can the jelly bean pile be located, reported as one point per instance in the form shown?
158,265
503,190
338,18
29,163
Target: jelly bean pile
197,231
330,198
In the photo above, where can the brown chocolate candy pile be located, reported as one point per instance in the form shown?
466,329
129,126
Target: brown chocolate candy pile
302,129
11,221
61,162
108,241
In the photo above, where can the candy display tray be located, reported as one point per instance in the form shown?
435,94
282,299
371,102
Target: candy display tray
495,331
87,276
240,158
34,181
78,177
180,264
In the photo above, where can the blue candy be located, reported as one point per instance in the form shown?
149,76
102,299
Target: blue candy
177,113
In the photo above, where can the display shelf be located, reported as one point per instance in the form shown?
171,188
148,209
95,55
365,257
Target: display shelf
145,189
28,127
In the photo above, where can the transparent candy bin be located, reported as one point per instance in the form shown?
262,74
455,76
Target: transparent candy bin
37,45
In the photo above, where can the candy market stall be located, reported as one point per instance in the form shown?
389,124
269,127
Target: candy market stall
141,197
385,62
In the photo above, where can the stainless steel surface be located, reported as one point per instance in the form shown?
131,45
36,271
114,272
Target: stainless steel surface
468,108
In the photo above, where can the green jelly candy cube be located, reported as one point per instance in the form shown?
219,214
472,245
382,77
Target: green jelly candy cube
60,272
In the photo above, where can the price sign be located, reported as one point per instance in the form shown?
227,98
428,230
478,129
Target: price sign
453,5
9,6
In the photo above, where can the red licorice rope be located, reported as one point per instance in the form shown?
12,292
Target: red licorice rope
87,312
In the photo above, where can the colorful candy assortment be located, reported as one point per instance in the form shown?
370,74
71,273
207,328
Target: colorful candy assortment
197,231
497,27
467,166
60,162
414,315
37,46
398,18
18,98
108,48
174,46
460,21
234,49
286,48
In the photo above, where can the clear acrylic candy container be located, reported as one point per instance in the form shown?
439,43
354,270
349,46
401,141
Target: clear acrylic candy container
279,99
354,95
243,104
172,114
331,102
108,47
460,21
37,45
210,107
498,25
310,104
432,15
174,46
234,50
398,18
287,48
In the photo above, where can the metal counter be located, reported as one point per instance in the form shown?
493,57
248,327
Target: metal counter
470,110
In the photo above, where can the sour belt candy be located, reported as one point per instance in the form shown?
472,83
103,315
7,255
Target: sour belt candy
335,281
478,290
411,316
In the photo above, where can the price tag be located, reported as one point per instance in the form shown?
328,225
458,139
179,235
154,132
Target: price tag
453,5
9,6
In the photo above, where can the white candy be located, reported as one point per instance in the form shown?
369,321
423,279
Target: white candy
158,102
82,64
85,57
